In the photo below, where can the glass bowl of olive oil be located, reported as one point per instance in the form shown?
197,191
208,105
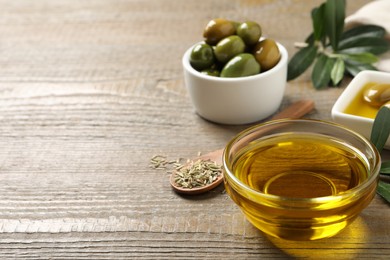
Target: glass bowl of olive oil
301,179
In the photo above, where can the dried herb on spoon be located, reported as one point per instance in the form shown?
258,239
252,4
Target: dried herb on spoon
198,174
335,52
379,134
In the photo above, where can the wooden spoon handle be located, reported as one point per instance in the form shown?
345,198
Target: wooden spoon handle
296,110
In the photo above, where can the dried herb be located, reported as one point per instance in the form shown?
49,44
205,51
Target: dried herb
189,174
161,162
336,52
379,135
197,174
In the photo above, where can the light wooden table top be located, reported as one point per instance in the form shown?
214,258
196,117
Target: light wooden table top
90,91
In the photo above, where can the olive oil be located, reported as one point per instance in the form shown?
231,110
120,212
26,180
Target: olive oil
300,167
359,107
297,182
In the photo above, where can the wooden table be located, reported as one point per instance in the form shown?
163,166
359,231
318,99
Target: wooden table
90,91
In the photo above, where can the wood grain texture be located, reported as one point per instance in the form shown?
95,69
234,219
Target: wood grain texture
90,91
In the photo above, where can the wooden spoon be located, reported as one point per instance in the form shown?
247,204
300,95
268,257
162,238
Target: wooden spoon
295,110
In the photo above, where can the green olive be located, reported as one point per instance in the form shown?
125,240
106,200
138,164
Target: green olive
229,47
242,65
250,32
211,72
217,29
202,56
236,24
267,54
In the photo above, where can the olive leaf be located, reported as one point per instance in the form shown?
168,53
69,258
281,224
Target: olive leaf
384,190
310,39
379,134
354,68
363,31
381,128
321,72
318,18
301,61
337,72
367,30
385,168
364,57
347,52
367,44
334,18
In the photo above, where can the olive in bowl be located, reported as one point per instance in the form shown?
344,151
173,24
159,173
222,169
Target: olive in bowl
236,100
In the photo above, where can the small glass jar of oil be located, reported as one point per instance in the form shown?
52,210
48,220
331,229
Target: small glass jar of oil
301,179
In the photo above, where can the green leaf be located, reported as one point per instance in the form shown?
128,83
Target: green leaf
381,128
364,57
354,68
385,167
334,17
384,190
318,19
321,72
352,50
310,39
337,72
363,31
301,61
367,44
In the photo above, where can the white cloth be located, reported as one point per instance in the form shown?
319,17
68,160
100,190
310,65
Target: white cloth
377,13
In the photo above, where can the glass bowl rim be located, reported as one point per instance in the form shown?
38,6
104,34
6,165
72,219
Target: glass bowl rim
362,186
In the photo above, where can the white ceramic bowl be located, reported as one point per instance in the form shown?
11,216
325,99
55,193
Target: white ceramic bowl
360,124
240,100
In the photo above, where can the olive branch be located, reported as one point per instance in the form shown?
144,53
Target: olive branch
336,52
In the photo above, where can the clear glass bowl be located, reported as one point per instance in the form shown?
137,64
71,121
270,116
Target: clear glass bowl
301,179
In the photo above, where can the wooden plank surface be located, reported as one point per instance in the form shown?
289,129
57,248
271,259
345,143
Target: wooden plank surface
90,91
